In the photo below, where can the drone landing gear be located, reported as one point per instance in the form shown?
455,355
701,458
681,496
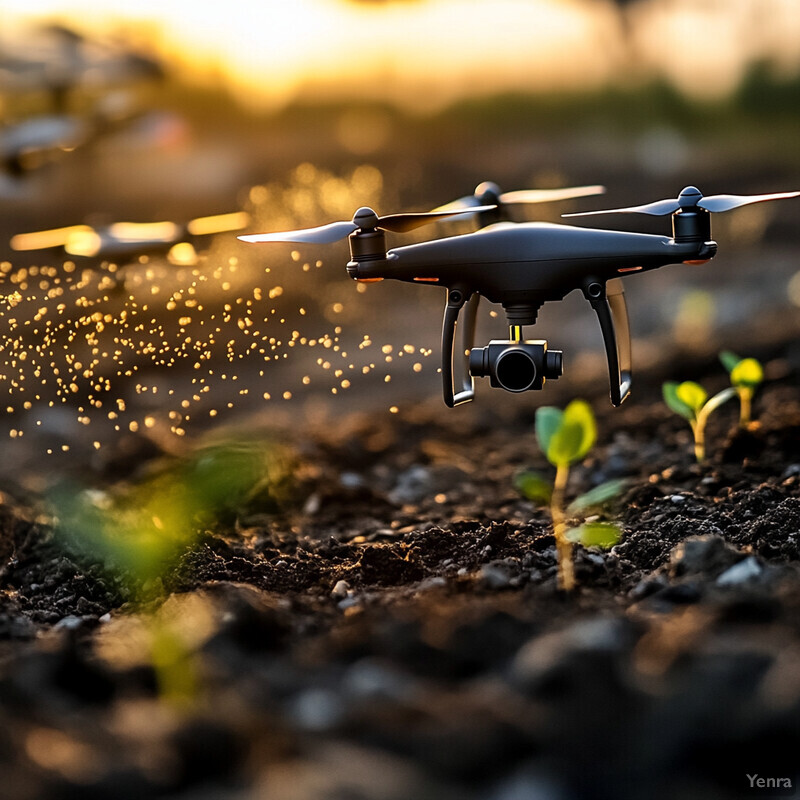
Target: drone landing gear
455,301
608,301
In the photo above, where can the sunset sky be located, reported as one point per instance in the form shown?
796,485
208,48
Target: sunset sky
430,51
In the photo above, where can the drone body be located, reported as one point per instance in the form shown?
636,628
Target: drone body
521,266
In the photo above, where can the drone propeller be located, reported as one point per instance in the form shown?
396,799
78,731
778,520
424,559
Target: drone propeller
691,198
488,193
365,219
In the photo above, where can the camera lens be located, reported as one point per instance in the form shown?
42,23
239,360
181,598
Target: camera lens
515,370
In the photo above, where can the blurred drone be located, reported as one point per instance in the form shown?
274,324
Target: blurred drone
522,266
122,240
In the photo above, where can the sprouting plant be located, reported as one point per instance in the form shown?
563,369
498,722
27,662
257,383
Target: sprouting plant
691,401
746,374
565,438
140,532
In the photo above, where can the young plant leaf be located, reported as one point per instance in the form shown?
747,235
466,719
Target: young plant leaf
692,394
534,487
579,413
574,437
548,421
598,496
748,373
729,360
595,534
669,390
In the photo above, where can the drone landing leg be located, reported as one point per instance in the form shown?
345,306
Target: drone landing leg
608,301
455,300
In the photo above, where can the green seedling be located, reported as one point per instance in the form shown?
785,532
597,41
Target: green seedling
140,532
565,438
746,374
691,401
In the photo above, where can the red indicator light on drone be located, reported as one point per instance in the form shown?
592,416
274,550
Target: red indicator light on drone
427,280
698,261
369,280
628,269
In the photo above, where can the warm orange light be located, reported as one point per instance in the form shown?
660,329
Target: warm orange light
182,254
628,269
144,231
698,261
427,280
219,223
40,240
85,243
369,280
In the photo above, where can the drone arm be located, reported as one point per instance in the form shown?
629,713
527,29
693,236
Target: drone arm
455,300
608,301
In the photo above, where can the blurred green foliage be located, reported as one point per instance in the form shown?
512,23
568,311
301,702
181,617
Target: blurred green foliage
140,530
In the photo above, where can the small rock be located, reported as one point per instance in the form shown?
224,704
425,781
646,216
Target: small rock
371,678
746,570
708,554
340,590
579,649
677,499
351,480
412,486
312,504
434,582
647,587
496,575
317,709
69,623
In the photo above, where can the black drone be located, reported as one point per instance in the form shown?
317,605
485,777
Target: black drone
522,266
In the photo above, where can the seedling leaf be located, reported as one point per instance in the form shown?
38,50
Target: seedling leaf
565,445
595,534
534,487
548,421
692,394
579,413
670,392
598,496
575,435
729,360
748,373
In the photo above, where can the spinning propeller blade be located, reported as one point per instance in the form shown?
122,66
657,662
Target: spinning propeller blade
691,198
489,193
550,195
365,219
324,234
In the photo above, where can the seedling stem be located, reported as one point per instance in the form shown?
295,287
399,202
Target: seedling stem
566,567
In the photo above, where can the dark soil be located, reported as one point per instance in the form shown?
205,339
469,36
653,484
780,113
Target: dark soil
388,625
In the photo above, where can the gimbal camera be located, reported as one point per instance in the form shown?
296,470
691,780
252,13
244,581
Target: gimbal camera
521,266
